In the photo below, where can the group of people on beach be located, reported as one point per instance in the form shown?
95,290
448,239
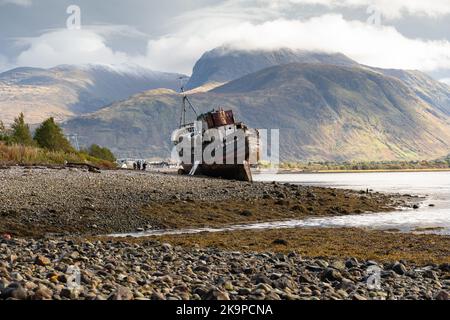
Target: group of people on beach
140,165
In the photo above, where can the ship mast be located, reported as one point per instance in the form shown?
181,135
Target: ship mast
185,101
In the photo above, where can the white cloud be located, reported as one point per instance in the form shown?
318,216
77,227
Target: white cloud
241,24
376,46
446,80
389,8
4,64
23,3
116,30
69,47
260,9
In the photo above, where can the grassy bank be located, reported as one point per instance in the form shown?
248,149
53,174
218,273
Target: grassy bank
25,155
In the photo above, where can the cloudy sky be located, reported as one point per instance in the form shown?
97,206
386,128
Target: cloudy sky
171,35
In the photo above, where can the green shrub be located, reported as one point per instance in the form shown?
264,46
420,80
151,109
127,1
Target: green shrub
101,153
50,136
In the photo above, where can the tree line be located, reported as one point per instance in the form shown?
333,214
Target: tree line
49,136
368,165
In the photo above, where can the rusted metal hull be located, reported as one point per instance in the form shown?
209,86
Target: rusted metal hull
228,148
240,172
230,168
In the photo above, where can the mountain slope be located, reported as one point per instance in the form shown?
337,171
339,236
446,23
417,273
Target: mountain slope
224,64
65,91
324,112
428,89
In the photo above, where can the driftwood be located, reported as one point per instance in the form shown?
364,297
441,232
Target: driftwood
90,167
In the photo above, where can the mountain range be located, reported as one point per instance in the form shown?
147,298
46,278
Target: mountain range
225,64
327,107
66,91
323,111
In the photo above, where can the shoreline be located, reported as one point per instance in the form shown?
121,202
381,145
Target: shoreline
357,171
40,202
61,213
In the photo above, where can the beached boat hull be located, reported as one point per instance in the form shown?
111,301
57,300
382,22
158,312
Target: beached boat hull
240,172
228,148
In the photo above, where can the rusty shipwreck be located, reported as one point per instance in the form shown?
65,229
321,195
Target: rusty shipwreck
215,144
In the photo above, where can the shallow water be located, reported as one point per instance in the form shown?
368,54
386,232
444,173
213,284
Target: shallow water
434,186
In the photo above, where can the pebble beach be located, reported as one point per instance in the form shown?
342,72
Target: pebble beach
54,245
